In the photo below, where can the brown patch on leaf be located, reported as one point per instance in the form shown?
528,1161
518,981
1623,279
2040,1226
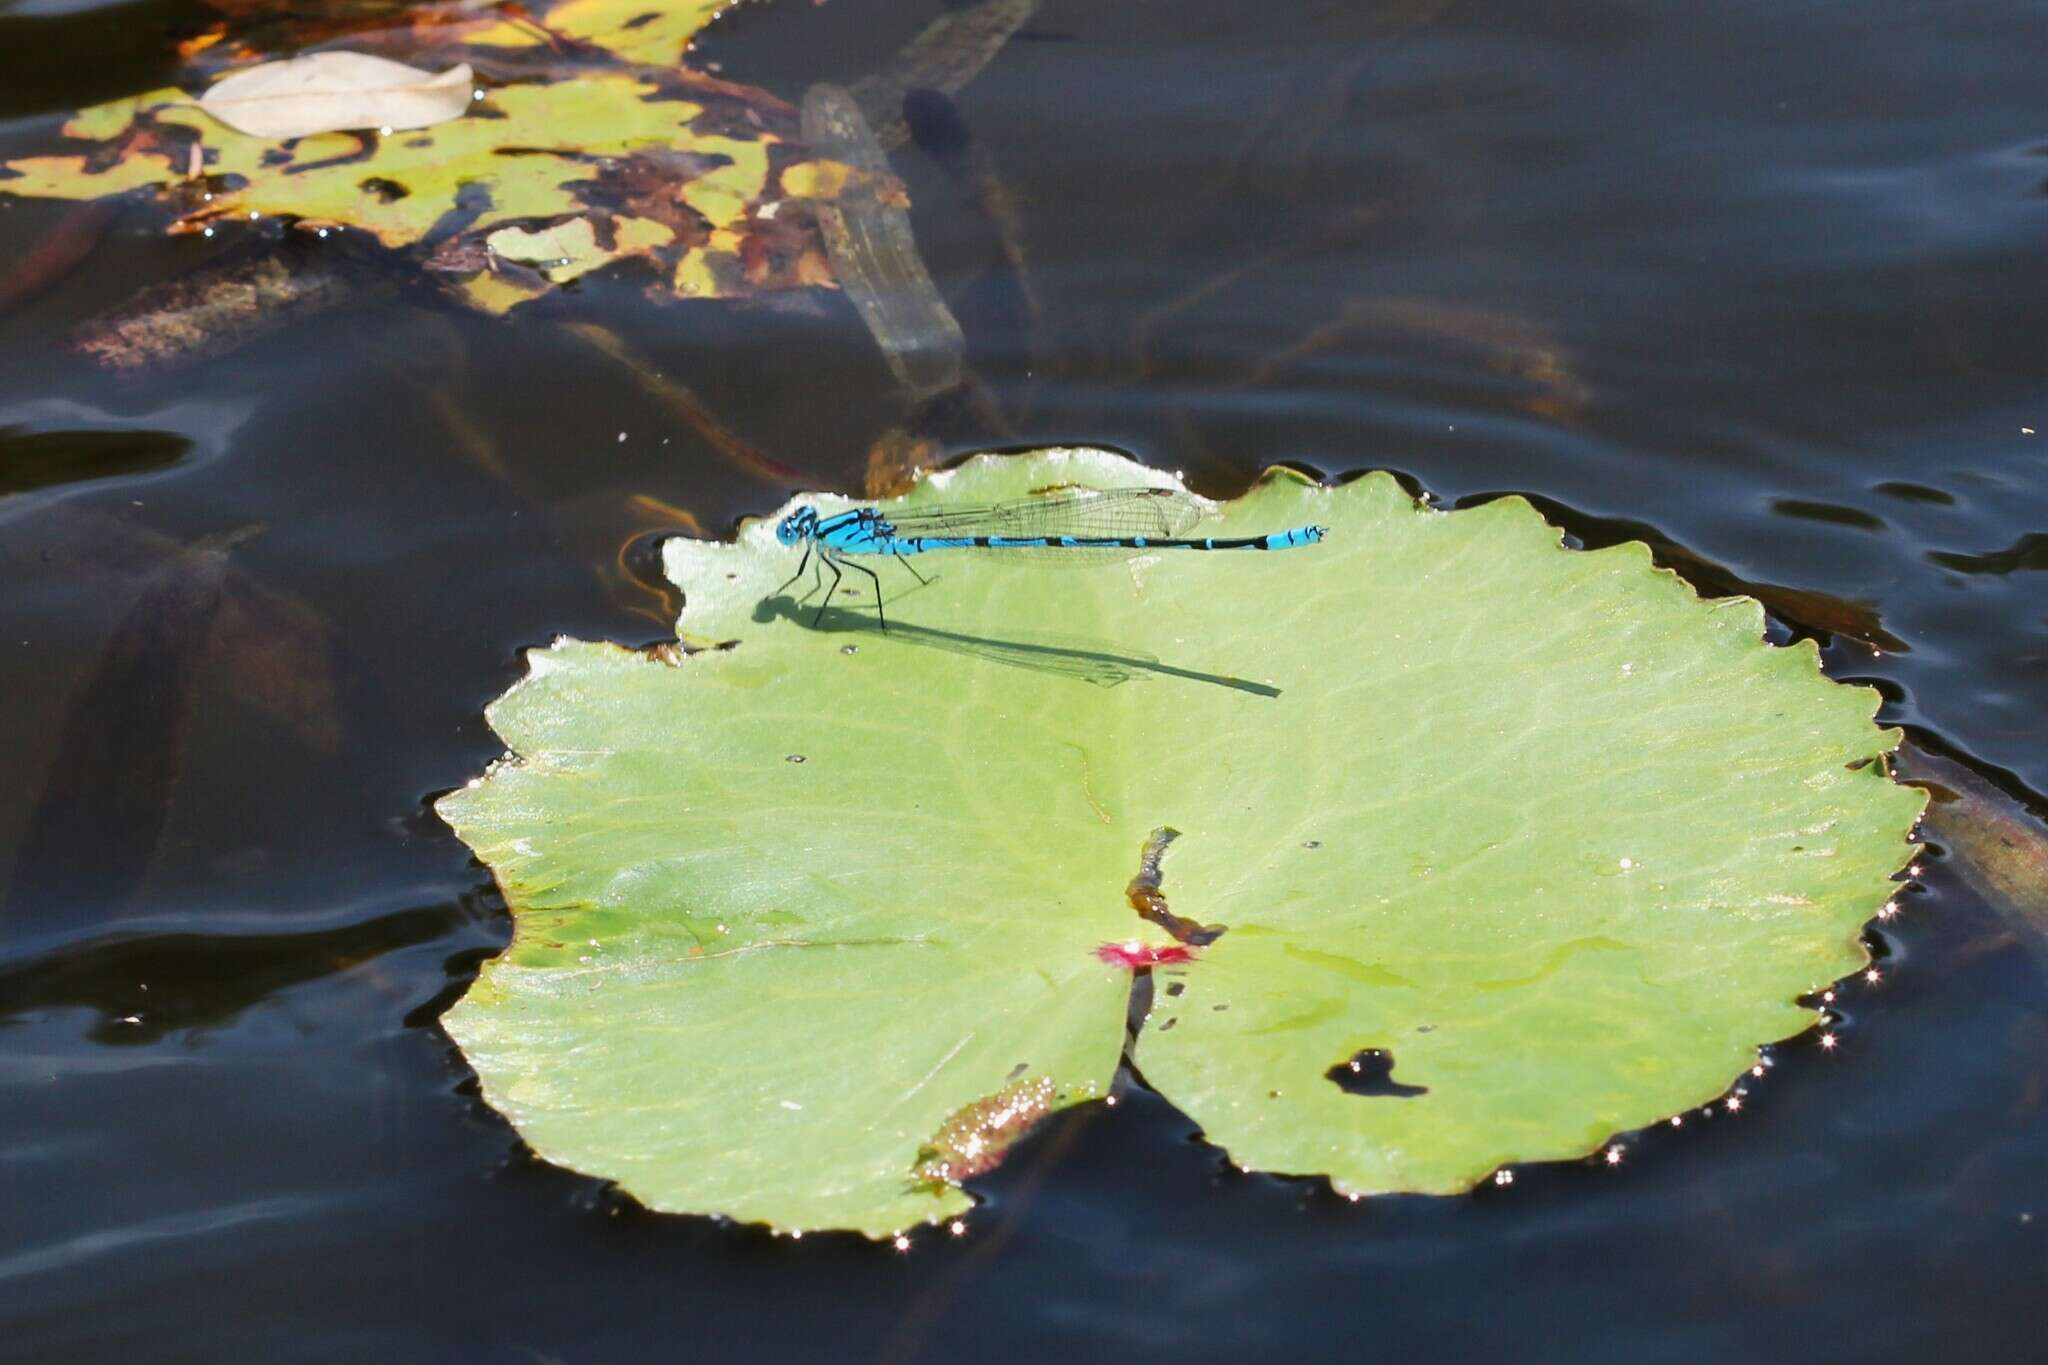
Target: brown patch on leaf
978,1136
1149,900
459,256
650,185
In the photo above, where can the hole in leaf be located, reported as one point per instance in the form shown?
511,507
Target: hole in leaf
1371,1073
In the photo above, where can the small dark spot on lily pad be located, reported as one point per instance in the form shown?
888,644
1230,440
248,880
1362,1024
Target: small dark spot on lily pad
387,191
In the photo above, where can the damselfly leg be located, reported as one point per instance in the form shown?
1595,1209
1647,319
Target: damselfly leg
922,581
828,562
802,564
877,580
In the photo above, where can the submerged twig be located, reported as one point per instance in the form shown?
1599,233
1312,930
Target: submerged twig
942,134
62,250
223,306
949,53
867,234
682,402
1321,237
1509,345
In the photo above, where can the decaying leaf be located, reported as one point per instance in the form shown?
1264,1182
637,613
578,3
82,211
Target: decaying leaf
589,146
331,92
1999,846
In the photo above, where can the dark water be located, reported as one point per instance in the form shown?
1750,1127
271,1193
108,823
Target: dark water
1763,280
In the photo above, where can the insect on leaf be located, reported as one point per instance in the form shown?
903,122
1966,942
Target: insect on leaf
813,926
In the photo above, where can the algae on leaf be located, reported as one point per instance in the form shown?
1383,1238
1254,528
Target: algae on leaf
810,925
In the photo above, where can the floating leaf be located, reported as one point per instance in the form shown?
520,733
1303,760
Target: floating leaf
630,161
331,92
809,925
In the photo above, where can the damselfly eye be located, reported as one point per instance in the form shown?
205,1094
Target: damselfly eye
795,526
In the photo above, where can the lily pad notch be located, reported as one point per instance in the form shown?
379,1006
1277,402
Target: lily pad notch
1457,849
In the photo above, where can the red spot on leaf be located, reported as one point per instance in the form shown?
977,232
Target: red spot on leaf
1131,955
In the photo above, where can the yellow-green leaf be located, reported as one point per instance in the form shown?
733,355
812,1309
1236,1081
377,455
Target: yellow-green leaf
810,924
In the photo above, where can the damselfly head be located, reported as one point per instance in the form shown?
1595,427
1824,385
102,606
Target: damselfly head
797,526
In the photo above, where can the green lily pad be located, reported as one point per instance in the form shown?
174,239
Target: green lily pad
810,927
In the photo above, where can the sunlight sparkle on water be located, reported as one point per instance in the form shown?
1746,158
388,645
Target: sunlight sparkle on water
1613,1155
902,1242
1872,977
1828,1042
